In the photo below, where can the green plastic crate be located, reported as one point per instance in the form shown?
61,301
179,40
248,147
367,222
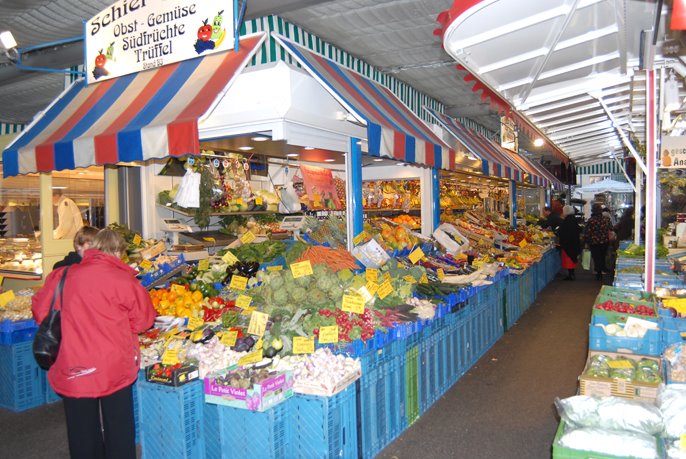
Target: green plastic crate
412,385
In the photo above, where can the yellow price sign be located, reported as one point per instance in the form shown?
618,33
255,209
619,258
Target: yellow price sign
248,311
372,274
620,364
238,282
387,277
259,345
372,288
416,255
360,238
353,303
204,265
239,201
511,238
6,297
195,322
229,338
170,357
523,243
251,358
196,335
146,264
302,269
229,258
2,279
137,239
385,289
275,268
258,323
683,442
258,201
328,334
248,237
423,279
440,273
410,279
303,345
243,301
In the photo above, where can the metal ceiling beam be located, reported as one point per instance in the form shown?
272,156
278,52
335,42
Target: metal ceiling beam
578,116
583,135
590,105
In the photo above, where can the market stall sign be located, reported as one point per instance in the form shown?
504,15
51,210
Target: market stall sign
248,237
523,243
303,345
258,201
328,334
416,255
673,152
229,338
251,358
6,297
372,288
275,268
238,282
135,35
243,301
353,303
137,239
258,323
301,269
229,258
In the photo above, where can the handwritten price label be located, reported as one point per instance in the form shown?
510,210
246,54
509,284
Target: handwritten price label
372,274
423,279
243,301
275,268
328,334
372,288
170,357
195,322
258,201
385,289
353,303
360,238
523,243
302,269
417,255
6,297
238,282
251,358
229,338
204,265
302,345
248,237
137,239
620,364
146,264
410,279
387,277
258,323
229,258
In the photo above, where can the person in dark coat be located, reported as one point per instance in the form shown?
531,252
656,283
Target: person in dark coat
551,219
597,236
570,243
624,228
82,242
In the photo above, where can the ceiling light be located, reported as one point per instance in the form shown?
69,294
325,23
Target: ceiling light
80,173
378,160
329,160
245,148
7,40
309,148
260,139
59,188
292,155
539,142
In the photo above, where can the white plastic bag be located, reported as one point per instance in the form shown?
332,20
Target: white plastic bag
615,443
189,190
371,254
610,413
289,200
672,403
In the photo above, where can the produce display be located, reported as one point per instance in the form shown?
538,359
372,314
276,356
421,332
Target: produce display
638,251
19,308
626,308
643,370
675,356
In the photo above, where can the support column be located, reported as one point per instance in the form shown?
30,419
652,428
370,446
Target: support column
435,198
353,190
638,203
651,183
513,204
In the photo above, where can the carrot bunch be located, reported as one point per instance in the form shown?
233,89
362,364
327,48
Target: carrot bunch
336,259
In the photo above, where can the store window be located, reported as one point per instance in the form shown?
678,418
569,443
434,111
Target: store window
78,199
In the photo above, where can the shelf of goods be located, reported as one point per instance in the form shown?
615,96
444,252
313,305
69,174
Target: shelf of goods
631,393
271,332
20,258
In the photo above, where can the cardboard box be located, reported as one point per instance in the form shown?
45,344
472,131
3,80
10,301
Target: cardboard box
606,387
322,390
178,377
260,397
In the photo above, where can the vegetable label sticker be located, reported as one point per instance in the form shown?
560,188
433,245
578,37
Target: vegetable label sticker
372,274
258,323
302,269
6,297
229,338
243,301
229,258
146,264
302,345
170,357
353,303
440,273
275,268
385,289
248,237
238,283
204,265
195,322
417,255
359,238
328,334
137,239
253,357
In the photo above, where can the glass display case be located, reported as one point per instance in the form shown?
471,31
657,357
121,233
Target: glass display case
20,258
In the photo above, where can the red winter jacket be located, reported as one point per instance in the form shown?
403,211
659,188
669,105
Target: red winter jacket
105,307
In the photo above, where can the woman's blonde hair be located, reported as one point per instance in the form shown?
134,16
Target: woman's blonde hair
109,241
84,236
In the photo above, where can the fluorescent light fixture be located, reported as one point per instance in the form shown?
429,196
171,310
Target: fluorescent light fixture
292,155
59,188
245,148
7,40
260,139
329,160
309,148
539,142
378,160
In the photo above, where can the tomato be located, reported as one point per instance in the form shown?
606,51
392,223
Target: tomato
100,60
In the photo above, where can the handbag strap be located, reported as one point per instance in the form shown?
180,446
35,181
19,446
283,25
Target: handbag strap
59,290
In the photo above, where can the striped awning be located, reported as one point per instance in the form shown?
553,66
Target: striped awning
393,130
493,160
552,180
145,115
604,168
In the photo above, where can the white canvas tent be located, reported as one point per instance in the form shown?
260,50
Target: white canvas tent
607,186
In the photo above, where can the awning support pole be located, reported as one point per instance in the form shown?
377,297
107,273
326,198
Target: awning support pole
513,204
651,183
625,140
353,191
435,198
624,172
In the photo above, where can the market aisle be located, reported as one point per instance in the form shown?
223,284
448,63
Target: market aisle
503,407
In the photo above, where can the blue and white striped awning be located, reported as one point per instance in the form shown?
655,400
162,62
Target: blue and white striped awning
606,168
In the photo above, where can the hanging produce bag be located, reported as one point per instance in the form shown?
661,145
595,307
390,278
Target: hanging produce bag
189,190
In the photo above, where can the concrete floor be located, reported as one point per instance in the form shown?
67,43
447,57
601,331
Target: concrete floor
502,408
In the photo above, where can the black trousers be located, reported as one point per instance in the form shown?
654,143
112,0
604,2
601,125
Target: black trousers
598,252
99,428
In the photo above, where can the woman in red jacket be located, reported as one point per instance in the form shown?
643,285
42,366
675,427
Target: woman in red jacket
104,309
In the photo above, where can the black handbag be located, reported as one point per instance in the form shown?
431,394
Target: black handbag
46,344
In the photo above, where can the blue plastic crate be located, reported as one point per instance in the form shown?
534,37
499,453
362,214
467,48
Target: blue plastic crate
236,433
49,394
375,428
18,336
325,427
20,382
171,420
598,340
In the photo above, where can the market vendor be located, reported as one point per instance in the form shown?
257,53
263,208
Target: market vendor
551,219
68,216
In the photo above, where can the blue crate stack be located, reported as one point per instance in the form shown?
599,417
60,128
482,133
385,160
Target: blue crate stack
20,378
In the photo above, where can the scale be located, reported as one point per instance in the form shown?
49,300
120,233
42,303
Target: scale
293,223
173,227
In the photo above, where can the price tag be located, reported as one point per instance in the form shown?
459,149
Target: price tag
683,442
253,357
248,311
372,274
146,264
440,273
170,333
372,288
243,301
259,345
170,357
248,237
417,255
423,279
238,282
137,239
523,243
239,201
410,279
302,269
204,265
194,322
275,268
353,303
258,323
385,289
360,238
511,238
6,297
387,277
302,345
258,201
229,338
2,279
620,364
328,334
196,335
229,258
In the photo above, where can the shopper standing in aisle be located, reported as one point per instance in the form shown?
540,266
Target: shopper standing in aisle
597,236
569,235
82,242
104,308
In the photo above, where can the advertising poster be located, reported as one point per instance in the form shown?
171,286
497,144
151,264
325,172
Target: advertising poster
320,188
673,152
135,35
